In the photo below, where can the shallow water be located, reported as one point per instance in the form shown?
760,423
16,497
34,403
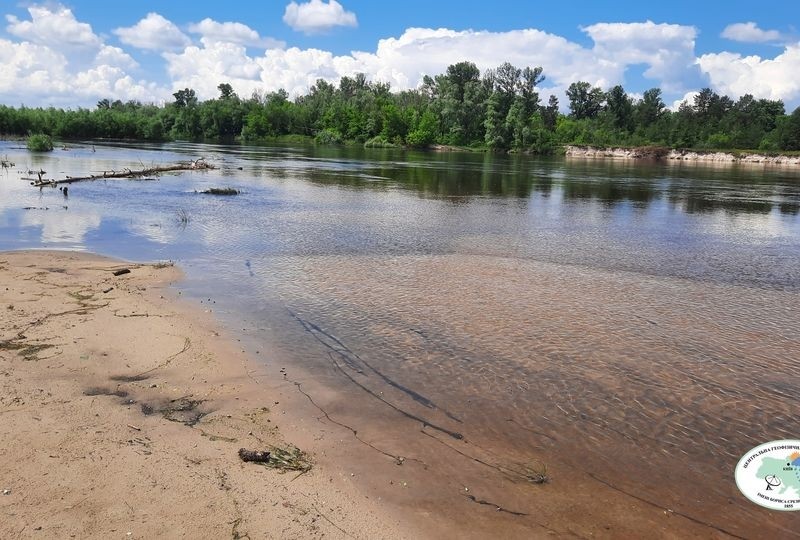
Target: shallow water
634,321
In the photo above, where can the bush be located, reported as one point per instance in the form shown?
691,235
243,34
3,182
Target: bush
40,143
379,142
328,136
719,140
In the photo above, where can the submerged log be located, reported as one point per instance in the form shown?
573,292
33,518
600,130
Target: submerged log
198,164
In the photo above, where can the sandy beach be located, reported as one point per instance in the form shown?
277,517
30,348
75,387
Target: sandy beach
122,412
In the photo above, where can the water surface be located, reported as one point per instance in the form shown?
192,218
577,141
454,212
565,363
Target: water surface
628,324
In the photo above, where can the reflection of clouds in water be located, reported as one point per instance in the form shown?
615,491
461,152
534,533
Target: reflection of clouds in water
754,227
163,231
59,226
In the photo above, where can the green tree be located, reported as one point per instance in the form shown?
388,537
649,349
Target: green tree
425,132
495,137
550,113
584,101
620,108
185,98
790,132
225,91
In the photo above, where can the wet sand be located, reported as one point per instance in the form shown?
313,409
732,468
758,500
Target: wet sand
122,412
636,429
637,394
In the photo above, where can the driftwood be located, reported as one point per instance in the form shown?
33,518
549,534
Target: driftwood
253,455
198,164
221,191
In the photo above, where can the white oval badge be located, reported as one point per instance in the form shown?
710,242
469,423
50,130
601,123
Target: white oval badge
769,475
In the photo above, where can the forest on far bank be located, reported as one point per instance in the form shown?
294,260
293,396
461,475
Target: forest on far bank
499,109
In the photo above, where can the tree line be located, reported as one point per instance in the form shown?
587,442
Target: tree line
499,109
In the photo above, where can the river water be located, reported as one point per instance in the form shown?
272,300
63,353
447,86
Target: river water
631,328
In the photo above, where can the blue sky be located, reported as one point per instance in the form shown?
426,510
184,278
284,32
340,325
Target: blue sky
72,53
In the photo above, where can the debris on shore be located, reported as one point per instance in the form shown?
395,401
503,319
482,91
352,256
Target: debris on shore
253,455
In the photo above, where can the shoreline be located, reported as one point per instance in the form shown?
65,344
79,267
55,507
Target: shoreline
680,156
123,409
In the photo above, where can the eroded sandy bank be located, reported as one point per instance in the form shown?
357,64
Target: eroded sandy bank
680,155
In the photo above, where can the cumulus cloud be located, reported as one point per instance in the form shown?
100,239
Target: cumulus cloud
38,69
688,98
54,26
749,32
61,61
316,16
203,68
212,31
403,61
39,75
667,50
154,32
114,56
736,75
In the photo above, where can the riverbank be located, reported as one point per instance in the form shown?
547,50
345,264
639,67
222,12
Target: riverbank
123,411
691,156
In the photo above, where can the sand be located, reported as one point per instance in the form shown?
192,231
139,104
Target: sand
122,411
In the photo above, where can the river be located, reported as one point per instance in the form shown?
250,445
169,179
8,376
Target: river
628,329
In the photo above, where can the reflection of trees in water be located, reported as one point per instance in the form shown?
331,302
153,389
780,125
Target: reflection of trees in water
609,191
693,203
747,199
543,185
462,175
441,175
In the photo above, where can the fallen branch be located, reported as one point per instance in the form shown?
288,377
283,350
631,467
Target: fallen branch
497,507
198,164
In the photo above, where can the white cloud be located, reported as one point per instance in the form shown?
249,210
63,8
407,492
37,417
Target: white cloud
402,61
212,31
39,75
736,75
154,32
62,62
54,26
38,69
749,32
316,16
21,61
114,56
667,49
688,97
203,68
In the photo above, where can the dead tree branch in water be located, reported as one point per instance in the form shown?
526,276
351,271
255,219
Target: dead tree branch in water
199,164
